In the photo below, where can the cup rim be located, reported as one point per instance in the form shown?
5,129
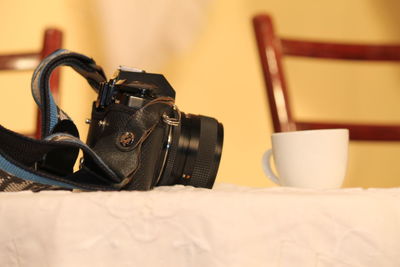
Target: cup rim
311,131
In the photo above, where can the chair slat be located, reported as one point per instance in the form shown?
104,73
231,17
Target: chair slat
358,132
340,51
26,61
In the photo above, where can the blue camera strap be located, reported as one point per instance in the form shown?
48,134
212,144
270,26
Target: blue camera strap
48,163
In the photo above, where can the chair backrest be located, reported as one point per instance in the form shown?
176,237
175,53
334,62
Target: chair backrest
271,51
52,41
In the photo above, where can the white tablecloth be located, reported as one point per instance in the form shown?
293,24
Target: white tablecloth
183,226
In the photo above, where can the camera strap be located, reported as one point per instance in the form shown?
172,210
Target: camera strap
31,164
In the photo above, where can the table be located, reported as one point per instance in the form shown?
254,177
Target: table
184,226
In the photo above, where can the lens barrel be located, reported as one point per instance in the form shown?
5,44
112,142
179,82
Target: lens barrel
194,153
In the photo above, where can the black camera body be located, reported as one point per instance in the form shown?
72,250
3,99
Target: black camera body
138,138
139,132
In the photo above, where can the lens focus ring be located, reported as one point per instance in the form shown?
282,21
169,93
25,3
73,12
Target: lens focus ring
204,170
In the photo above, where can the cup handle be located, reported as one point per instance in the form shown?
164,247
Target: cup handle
266,163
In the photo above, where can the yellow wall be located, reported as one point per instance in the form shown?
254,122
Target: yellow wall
220,76
23,23
224,67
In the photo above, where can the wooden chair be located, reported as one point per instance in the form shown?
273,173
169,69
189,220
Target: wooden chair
272,49
29,60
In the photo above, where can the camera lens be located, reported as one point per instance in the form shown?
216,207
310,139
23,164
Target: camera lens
193,152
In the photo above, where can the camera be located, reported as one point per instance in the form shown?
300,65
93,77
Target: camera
139,132
138,138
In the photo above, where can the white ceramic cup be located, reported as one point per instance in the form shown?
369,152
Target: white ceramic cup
308,159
